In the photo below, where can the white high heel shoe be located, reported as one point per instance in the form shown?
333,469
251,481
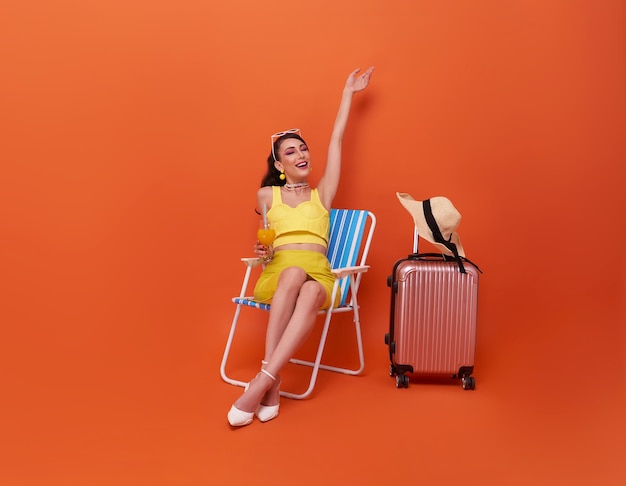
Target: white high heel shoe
239,418
266,413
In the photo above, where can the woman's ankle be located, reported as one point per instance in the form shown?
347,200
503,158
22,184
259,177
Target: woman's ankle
272,395
255,392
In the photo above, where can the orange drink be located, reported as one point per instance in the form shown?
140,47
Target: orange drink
266,236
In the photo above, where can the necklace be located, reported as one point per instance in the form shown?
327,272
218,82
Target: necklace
298,186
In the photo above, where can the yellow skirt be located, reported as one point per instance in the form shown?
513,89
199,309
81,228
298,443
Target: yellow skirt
314,263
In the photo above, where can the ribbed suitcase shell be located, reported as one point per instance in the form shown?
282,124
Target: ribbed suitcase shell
434,316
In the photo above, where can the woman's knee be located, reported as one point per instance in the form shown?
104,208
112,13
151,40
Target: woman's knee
314,293
292,277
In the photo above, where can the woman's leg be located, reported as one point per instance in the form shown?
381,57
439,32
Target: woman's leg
283,305
310,299
286,334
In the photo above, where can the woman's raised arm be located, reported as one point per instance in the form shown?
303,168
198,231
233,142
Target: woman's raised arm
329,182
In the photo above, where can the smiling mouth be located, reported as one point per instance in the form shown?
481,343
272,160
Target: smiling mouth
302,165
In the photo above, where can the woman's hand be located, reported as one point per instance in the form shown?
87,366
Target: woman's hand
356,83
264,253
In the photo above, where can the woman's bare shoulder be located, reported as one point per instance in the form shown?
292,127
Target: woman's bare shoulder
264,195
265,190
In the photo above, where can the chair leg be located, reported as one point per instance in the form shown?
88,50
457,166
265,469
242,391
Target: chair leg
345,371
229,343
359,340
316,365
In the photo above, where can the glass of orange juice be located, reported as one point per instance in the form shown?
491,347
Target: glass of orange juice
266,235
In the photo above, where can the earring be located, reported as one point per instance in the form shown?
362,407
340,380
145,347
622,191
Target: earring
310,169
282,175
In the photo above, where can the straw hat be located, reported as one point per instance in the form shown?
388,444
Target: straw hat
436,220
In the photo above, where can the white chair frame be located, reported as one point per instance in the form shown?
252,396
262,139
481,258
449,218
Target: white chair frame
348,280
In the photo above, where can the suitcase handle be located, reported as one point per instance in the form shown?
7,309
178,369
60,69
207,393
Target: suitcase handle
457,258
444,257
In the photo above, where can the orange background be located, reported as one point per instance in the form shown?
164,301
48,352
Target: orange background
133,138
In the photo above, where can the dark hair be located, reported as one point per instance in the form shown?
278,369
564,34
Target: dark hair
272,176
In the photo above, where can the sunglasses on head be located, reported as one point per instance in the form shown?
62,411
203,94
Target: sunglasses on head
277,135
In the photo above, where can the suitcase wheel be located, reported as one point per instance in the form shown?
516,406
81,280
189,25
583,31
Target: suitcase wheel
402,381
392,370
468,382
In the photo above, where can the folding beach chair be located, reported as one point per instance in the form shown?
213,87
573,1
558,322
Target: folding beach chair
350,237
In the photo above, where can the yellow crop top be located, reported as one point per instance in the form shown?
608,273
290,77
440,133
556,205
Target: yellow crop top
308,222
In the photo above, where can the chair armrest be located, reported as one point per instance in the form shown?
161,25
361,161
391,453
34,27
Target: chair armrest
345,271
251,261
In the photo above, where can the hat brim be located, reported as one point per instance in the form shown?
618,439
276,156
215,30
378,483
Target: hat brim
416,210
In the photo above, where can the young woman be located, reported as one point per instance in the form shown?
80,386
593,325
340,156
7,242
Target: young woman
297,280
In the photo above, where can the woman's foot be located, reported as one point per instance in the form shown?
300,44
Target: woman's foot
243,410
270,403
239,418
268,408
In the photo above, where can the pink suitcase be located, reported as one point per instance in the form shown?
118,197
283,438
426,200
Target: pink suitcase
432,330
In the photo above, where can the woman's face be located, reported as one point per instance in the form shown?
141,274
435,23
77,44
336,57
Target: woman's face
293,158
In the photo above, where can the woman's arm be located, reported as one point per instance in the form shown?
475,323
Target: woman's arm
329,182
264,196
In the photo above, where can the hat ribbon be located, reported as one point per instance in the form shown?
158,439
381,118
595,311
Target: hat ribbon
434,228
